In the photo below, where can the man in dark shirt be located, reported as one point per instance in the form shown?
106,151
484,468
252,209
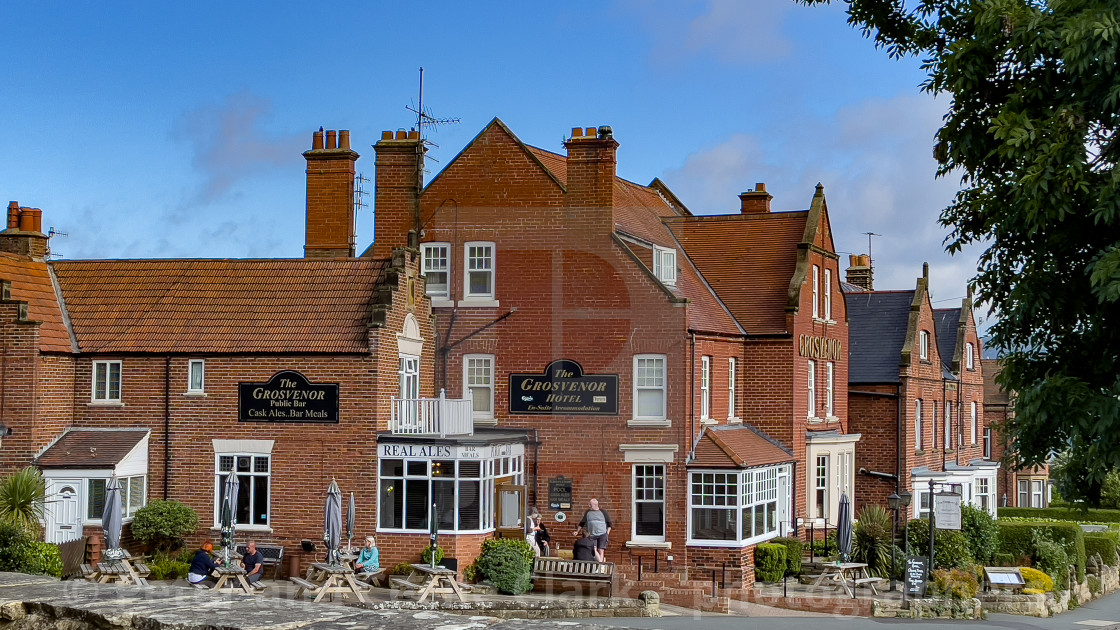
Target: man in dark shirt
253,562
598,525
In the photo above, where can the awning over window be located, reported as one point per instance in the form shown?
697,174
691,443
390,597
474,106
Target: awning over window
737,446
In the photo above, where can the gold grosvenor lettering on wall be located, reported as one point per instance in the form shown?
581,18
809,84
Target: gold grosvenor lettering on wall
821,348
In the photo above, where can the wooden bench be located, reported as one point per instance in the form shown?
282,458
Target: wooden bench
574,571
273,557
89,573
870,582
304,585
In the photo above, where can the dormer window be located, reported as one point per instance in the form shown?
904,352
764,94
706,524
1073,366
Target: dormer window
665,265
923,345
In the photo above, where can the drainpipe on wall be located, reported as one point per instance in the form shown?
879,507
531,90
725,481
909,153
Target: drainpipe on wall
898,447
691,388
166,426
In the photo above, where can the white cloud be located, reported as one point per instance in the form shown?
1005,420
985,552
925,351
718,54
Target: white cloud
731,31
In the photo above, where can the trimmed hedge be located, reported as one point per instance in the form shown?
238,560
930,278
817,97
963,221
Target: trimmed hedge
508,564
1092,515
1103,545
795,549
951,546
21,553
1017,539
770,562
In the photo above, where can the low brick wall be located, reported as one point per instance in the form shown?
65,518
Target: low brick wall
648,604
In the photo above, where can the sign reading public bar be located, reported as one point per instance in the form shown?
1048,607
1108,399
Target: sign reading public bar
288,397
563,388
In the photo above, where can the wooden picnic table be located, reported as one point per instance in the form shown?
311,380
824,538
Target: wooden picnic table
838,573
232,580
327,579
426,580
119,570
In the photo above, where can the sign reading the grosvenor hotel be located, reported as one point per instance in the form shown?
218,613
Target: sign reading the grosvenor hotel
563,388
288,397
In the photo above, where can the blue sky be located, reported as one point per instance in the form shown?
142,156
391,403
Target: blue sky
158,129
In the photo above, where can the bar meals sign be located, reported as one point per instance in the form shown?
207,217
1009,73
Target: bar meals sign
288,397
564,389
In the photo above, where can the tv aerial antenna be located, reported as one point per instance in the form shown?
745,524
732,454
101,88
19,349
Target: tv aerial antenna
360,192
869,235
425,118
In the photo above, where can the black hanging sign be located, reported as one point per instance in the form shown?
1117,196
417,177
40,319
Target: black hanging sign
288,397
916,576
563,389
559,493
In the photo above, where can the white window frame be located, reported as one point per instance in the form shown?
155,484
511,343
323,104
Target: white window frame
665,265
1037,493
128,507
923,345
821,475
988,443
654,473
828,294
107,394
975,422
201,365
490,470
948,425
220,477
811,387
982,497
705,388
816,292
444,250
969,359
469,386
829,398
918,424
663,417
745,492
469,266
732,375
1024,493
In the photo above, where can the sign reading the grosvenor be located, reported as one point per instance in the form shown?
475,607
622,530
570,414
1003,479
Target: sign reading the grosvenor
821,348
287,397
563,388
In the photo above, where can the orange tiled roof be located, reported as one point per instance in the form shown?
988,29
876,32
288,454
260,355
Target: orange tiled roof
737,446
993,393
638,211
90,448
283,305
748,259
31,283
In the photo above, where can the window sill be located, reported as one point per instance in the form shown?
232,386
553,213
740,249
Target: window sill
814,420
734,420
642,544
831,419
822,320
478,303
105,403
649,422
441,302
195,394
262,529
486,422
708,421
919,453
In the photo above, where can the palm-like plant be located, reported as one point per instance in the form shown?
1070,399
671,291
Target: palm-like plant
23,498
872,539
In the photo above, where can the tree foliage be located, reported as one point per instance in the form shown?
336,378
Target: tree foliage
164,524
1031,131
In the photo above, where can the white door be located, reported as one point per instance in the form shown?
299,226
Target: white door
63,518
785,527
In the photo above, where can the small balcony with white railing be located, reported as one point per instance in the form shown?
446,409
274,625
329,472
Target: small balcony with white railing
440,417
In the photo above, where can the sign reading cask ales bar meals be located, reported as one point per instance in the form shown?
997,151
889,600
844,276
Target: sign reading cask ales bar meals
821,348
288,397
563,388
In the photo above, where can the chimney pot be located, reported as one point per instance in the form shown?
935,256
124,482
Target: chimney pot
755,201
413,134
13,215
343,138
590,132
577,132
760,187
402,134
27,219
332,139
317,140
386,135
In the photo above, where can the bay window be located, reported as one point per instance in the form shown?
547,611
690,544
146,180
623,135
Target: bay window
737,507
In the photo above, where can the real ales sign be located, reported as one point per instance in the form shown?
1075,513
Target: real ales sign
288,397
563,388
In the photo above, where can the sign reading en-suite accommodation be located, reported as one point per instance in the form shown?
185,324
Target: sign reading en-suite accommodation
288,397
563,388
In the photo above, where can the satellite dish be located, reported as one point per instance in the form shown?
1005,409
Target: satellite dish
560,517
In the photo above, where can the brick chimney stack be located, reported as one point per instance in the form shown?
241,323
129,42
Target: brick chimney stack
397,190
330,196
591,171
24,235
755,201
860,272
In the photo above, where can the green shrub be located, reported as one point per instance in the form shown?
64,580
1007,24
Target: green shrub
871,540
470,573
827,546
404,568
164,566
794,551
770,562
1110,490
1103,545
20,553
1018,539
1091,515
1004,560
955,583
164,524
1051,557
427,555
508,564
981,531
950,546
23,499
1036,580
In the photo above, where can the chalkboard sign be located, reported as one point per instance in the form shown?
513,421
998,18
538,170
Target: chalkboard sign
560,493
916,574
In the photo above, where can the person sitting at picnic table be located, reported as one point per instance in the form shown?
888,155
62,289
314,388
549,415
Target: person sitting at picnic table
584,547
253,561
202,567
369,558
